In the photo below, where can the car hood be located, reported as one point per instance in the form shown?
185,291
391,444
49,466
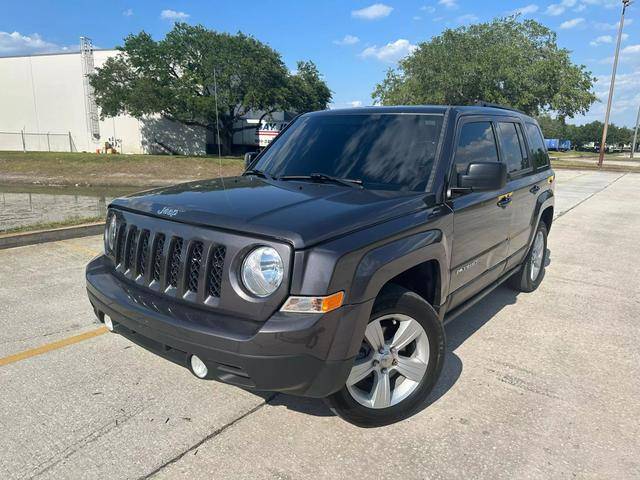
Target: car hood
301,213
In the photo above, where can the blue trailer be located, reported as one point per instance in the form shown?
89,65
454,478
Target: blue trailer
557,144
552,143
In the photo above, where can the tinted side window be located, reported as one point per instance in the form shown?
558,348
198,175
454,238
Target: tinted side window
476,144
539,151
511,148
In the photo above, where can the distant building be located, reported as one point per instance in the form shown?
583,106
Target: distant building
46,104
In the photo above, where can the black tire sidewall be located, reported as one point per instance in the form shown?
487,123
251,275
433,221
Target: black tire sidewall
398,300
522,279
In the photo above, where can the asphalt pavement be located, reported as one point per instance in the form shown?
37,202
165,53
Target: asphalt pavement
541,385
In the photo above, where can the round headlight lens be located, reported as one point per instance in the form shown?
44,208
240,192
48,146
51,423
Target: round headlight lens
262,271
110,231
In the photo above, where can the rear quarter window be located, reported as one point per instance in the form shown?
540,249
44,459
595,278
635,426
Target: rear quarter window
538,149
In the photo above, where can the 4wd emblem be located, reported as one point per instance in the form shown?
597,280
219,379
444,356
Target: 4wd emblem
170,212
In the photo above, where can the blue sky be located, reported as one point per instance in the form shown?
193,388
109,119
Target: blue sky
352,42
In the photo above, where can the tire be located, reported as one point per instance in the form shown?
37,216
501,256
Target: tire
419,354
528,278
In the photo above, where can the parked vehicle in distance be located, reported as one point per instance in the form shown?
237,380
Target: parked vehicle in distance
557,144
329,268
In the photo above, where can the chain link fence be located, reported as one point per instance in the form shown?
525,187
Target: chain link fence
37,142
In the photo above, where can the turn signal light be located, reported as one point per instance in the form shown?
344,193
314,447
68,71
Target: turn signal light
313,304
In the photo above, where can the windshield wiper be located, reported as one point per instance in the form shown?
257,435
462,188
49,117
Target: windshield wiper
258,173
323,177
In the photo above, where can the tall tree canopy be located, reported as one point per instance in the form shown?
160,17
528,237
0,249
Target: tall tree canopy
506,61
175,78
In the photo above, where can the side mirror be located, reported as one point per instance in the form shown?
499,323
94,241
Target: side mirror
248,158
483,176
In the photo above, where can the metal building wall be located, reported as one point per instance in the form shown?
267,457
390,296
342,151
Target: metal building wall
44,94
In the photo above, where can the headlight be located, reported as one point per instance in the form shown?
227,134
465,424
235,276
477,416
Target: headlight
262,271
110,230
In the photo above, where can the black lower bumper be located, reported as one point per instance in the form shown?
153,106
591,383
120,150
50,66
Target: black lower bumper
309,355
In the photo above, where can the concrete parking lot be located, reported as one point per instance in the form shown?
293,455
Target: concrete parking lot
542,385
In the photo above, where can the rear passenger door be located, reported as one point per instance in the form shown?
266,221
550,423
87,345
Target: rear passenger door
514,153
481,225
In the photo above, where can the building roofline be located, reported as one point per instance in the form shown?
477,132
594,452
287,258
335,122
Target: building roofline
74,52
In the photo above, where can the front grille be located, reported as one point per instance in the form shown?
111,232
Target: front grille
131,248
120,243
157,257
169,263
174,261
194,261
144,247
215,270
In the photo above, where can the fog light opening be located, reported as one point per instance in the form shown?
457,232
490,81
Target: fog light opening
198,367
108,322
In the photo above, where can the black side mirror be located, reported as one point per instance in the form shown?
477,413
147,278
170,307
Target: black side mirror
483,176
248,158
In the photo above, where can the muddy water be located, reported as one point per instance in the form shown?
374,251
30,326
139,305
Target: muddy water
24,206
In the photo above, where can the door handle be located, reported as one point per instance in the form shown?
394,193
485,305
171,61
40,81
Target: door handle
504,200
535,189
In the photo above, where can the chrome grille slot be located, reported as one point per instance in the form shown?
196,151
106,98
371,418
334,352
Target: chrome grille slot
144,252
194,262
216,266
174,262
157,257
131,248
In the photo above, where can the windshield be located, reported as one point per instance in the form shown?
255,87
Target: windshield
384,151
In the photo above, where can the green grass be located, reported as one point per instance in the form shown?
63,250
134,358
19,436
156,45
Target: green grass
56,168
70,222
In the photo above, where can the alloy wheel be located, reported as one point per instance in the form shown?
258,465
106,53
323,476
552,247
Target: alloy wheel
392,361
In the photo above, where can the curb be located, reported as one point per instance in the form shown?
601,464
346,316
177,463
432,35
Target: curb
41,236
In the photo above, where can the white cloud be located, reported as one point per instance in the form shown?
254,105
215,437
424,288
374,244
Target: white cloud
417,17
468,18
556,9
625,100
355,103
428,9
17,44
347,40
128,12
573,23
631,50
604,3
601,40
612,26
173,15
526,10
449,3
391,52
606,39
373,12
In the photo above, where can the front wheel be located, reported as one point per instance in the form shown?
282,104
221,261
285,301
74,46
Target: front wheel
398,363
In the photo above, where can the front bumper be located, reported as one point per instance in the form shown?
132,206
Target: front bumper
300,354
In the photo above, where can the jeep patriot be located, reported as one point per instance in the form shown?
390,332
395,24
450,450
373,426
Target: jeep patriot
329,268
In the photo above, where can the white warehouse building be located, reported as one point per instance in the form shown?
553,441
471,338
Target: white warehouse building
46,104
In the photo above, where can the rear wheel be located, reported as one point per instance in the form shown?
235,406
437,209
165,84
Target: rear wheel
531,273
398,364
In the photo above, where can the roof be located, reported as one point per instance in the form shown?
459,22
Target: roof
426,109
66,52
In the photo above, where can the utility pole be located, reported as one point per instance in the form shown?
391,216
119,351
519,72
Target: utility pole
635,135
625,4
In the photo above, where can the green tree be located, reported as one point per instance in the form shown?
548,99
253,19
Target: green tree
175,78
506,61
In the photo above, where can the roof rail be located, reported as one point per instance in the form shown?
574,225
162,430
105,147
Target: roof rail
482,103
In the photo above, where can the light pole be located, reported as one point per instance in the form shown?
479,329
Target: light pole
635,134
625,4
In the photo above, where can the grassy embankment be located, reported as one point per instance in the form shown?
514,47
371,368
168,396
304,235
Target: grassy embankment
90,169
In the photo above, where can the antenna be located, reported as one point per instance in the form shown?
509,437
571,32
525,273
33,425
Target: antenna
215,94
86,57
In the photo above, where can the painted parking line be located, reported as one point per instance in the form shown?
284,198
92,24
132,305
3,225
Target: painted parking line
52,346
